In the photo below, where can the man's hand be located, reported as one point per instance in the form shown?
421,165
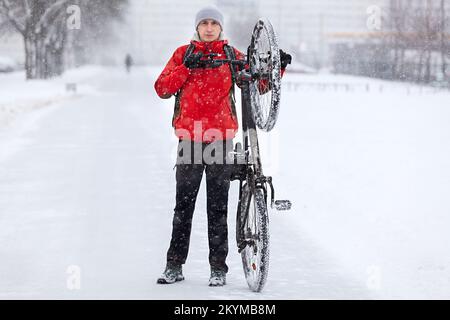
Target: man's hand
193,60
285,58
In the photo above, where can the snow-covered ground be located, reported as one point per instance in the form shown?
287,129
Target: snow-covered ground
21,96
87,192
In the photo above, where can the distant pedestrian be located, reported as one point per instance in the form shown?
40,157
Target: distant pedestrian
128,62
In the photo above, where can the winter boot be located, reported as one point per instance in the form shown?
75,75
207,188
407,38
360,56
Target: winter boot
171,274
218,278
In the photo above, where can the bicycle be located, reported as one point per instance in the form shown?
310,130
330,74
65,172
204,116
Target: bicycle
259,78
260,91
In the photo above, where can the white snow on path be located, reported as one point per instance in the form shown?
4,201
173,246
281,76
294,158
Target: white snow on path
371,183
17,95
90,184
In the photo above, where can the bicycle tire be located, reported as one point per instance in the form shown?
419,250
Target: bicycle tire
265,64
253,222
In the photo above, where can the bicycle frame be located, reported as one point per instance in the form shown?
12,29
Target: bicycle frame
255,177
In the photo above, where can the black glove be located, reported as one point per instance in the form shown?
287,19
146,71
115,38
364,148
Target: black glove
285,58
193,60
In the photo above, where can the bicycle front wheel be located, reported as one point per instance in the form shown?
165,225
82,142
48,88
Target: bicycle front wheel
265,66
253,228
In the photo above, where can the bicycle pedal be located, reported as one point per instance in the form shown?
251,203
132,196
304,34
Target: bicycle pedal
282,205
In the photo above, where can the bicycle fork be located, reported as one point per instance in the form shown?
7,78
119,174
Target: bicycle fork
251,135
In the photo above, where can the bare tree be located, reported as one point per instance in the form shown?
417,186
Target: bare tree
36,21
42,23
443,36
429,39
5,25
398,14
417,36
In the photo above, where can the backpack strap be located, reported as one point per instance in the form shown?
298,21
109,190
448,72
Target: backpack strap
229,51
189,50
176,108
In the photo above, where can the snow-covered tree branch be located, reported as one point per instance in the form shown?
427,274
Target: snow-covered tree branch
43,25
52,11
12,13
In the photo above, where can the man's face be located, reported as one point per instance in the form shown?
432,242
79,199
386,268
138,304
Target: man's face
209,30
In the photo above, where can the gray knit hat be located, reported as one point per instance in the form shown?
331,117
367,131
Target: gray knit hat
209,12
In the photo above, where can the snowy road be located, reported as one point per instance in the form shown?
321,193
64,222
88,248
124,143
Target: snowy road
89,190
87,194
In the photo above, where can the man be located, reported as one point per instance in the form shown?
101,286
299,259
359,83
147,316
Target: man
128,62
205,123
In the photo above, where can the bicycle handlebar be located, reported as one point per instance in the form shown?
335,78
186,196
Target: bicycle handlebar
210,62
242,74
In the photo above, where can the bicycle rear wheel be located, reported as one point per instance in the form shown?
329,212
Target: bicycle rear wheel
265,66
253,236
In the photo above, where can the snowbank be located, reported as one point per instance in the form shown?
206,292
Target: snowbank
20,96
7,64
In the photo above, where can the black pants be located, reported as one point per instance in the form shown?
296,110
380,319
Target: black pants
188,178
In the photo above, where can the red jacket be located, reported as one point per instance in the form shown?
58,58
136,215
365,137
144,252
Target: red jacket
206,107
